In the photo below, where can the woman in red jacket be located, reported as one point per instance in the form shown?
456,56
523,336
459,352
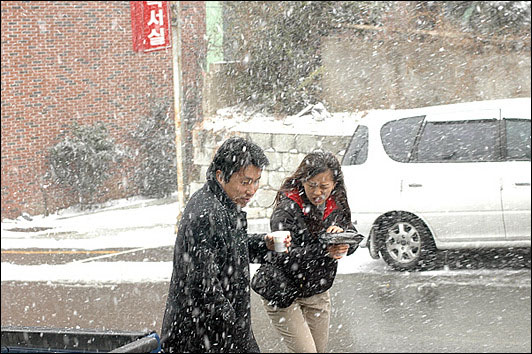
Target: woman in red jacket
294,286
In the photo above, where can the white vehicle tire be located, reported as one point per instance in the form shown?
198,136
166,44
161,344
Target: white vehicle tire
405,242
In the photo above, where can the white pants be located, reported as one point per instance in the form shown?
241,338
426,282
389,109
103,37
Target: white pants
304,325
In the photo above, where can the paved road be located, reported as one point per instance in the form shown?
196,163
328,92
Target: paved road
34,256
482,259
456,311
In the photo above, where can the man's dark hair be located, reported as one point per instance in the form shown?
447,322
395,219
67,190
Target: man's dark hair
234,154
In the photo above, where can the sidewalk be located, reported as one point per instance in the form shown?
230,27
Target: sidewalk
133,222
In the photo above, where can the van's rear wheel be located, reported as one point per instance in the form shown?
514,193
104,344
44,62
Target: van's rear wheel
405,242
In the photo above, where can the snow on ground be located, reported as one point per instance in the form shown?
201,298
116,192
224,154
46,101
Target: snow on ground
133,222
322,123
143,272
136,223
315,120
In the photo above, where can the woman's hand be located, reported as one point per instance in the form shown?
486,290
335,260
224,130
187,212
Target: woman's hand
333,229
338,251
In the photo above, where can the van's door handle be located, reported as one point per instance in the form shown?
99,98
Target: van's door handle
522,184
415,185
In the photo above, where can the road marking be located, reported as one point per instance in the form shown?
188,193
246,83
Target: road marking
111,255
57,252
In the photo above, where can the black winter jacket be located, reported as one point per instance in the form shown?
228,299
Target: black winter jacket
307,269
208,305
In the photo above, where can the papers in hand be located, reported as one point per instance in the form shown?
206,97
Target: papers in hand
346,237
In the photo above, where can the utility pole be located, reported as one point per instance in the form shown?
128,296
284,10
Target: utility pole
178,96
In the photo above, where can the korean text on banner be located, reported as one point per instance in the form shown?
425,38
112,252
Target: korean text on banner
150,22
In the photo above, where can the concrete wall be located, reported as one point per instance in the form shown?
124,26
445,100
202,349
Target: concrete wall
369,72
218,90
285,152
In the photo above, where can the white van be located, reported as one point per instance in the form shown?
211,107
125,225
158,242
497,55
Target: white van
441,177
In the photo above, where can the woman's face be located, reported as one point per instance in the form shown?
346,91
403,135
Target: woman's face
319,187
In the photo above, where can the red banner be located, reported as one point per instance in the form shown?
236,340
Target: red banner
150,22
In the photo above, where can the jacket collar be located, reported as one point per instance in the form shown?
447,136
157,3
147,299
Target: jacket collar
330,204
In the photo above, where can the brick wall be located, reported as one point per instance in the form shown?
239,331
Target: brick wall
67,62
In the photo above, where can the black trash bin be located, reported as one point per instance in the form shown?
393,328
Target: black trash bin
55,340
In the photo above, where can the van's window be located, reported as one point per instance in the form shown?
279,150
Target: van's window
475,140
357,152
398,137
517,139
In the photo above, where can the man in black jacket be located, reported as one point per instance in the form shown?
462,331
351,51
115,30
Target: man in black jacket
208,307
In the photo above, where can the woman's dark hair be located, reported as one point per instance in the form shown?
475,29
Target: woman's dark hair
234,154
313,164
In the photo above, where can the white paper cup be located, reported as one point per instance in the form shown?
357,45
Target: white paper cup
278,240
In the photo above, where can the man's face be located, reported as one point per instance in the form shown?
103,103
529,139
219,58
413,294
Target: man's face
242,185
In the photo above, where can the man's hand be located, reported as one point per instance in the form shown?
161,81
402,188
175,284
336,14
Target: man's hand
270,245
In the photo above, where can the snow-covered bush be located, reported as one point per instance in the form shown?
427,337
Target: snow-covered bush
277,46
157,172
82,161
